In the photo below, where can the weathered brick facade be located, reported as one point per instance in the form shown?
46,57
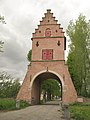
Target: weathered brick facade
49,37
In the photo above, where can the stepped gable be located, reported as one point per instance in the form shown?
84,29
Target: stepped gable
48,22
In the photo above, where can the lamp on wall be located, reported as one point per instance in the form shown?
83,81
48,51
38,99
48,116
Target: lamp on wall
37,43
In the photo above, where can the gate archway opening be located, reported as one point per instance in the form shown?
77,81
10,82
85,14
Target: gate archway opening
36,94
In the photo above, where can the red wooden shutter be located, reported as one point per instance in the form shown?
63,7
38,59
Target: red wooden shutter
47,54
44,54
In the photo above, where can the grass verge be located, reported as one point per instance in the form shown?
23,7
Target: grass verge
80,111
10,104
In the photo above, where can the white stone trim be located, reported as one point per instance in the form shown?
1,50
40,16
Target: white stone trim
43,71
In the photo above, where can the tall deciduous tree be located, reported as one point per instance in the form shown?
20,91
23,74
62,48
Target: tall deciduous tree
3,22
9,86
2,19
51,87
1,46
79,56
29,56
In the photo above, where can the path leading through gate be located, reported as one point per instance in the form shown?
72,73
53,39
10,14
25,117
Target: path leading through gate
37,112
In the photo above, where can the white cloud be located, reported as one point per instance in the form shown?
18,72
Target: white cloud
22,17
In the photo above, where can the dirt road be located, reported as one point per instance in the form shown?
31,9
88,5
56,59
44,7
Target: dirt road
37,112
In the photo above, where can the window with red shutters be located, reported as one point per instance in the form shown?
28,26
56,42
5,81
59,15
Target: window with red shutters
47,54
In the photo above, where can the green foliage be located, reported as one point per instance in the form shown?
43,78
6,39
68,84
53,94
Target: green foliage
3,22
79,55
9,86
10,104
80,111
2,19
51,87
23,104
29,55
7,104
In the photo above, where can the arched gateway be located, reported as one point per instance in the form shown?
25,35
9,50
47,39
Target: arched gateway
48,45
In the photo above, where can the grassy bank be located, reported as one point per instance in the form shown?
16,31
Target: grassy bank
80,111
10,104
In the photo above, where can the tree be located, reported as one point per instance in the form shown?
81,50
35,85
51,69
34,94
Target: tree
50,87
1,46
79,55
1,21
29,55
9,86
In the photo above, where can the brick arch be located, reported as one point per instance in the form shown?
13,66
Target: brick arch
48,29
50,71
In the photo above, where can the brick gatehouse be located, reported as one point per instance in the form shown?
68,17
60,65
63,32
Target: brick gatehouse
48,61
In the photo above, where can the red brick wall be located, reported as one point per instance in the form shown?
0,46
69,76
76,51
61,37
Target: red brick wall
56,66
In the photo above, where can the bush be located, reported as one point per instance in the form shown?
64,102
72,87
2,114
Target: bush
9,86
10,104
23,104
7,104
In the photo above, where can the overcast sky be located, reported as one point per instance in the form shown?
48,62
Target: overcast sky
22,17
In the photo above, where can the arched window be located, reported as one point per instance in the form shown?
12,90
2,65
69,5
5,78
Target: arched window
48,32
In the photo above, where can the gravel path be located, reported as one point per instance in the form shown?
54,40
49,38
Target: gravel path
37,112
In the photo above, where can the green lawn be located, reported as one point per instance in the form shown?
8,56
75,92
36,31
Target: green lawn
10,104
80,111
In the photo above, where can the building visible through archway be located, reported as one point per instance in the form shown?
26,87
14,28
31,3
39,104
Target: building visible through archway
48,61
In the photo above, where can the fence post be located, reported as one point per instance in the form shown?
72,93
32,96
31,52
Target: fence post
60,106
17,104
66,112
